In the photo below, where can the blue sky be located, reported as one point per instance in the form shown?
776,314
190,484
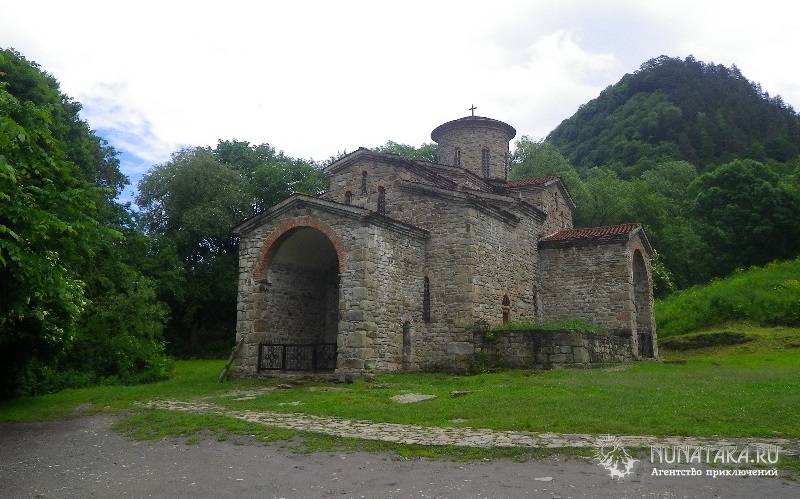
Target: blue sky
313,78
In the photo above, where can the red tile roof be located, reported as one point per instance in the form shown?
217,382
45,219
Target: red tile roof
592,233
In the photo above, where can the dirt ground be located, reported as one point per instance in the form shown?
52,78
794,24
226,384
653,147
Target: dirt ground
83,458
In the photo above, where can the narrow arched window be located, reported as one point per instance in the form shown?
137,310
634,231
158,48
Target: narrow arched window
363,182
506,164
485,161
381,201
457,157
348,197
506,307
426,299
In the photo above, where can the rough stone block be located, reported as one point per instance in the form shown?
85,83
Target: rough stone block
365,353
356,364
357,339
580,355
355,315
460,348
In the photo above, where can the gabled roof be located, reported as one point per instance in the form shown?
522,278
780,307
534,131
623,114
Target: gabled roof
608,234
419,168
363,215
537,183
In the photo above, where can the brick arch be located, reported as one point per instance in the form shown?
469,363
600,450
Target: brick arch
266,253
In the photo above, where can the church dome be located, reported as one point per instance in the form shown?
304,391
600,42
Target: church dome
476,143
470,123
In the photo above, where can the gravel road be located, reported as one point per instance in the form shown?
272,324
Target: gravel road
82,457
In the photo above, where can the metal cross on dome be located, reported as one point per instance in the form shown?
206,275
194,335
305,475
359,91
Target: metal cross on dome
473,108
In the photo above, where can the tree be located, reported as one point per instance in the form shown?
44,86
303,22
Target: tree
537,158
744,216
193,200
42,222
272,175
426,152
59,227
190,204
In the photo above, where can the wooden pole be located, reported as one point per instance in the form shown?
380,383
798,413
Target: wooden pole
234,351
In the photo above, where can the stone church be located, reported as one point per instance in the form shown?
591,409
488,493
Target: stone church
398,262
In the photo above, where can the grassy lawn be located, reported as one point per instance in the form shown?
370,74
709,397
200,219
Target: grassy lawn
739,390
748,388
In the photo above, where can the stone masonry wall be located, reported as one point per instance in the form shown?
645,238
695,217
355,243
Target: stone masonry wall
551,201
589,282
266,292
386,292
472,260
380,288
504,263
303,295
449,257
471,141
546,349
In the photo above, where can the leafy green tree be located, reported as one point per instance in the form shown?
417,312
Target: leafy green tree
537,158
272,175
426,152
188,206
59,227
42,225
193,200
744,216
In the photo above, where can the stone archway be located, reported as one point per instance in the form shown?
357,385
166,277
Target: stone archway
644,306
299,273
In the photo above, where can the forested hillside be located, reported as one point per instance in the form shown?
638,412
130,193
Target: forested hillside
703,158
673,109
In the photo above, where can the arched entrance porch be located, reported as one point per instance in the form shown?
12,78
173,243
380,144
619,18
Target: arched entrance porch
300,280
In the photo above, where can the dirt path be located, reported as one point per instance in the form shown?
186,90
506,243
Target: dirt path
83,458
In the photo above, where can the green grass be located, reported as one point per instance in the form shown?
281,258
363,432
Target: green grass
712,395
189,379
724,388
739,390
765,296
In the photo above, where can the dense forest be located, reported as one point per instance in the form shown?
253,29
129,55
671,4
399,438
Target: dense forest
685,110
95,291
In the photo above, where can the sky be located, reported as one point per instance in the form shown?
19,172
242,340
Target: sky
316,78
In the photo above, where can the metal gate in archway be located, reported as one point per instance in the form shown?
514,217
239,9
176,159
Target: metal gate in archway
297,356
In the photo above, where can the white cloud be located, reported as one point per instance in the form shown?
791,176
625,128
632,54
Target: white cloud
316,77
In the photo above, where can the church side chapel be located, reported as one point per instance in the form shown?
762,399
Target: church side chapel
394,266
